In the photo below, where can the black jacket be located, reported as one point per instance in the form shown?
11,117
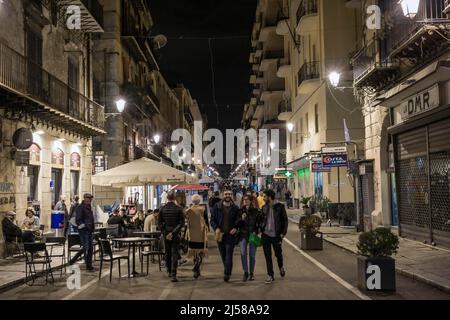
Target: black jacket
171,219
118,220
217,217
10,230
213,201
280,218
252,224
85,217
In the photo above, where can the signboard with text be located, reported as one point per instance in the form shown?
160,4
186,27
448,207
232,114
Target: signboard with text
317,166
334,160
421,102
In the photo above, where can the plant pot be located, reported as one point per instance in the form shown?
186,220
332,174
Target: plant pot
376,274
311,241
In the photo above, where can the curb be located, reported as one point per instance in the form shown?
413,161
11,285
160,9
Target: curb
405,273
401,271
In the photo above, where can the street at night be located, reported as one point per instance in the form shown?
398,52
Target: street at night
213,151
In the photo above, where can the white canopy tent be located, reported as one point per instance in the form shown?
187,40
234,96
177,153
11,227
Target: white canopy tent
140,172
206,180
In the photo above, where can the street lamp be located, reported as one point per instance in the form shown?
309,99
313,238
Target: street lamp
157,138
290,126
120,104
272,145
410,8
334,78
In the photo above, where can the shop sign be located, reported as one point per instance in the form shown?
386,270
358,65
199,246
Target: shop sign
100,162
332,160
317,166
335,150
58,157
7,197
421,102
75,160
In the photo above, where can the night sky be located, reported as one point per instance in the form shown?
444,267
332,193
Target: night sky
186,59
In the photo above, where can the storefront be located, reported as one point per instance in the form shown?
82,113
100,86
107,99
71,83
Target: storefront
421,145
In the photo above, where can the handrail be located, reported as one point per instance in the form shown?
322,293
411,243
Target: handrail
28,78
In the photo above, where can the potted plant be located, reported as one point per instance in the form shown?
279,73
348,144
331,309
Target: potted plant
376,267
310,236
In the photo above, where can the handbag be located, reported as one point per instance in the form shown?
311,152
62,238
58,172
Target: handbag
254,240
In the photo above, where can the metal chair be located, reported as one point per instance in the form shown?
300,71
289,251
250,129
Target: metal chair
61,242
155,251
73,244
31,249
107,255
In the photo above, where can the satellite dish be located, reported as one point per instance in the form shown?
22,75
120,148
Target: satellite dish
160,41
23,138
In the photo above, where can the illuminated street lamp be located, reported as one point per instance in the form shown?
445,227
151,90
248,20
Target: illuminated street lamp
334,78
156,138
272,145
410,8
120,104
290,126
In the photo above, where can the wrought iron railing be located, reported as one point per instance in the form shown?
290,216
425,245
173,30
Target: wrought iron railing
309,71
28,78
365,60
306,7
431,12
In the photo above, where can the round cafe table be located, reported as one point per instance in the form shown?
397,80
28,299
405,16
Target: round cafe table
133,242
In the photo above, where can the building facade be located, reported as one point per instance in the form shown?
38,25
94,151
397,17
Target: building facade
401,76
46,100
318,37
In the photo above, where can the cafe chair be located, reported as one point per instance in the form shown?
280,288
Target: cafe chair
106,255
155,251
73,244
31,260
59,242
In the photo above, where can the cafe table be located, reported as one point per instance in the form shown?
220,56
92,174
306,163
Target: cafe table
133,242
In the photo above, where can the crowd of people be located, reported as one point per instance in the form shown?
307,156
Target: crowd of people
255,219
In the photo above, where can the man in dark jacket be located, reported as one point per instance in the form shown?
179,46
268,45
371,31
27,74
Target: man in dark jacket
171,221
86,227
224,221
274,228
12,233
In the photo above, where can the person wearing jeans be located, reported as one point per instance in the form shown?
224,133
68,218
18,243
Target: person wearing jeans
224,220
85,223
274,228
250,221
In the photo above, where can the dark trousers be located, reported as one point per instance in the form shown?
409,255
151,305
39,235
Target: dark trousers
87,250
172,255
268,243
226,248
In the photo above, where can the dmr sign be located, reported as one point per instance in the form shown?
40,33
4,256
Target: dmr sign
421,102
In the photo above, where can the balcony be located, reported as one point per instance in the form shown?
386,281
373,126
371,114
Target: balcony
27,88
309,71
420,38
270,57
142,95
370,69
307,18
283,68
91,14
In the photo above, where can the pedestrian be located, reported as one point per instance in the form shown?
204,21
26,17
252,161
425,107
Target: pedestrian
288,196
62,207
150,222
250,223
171,221
197,233
85,223
274,228
72,216
224,220
214,200
261,202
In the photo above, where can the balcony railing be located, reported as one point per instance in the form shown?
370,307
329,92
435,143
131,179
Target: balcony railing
306,7
91,14
309,71
431,12
95,8
21,75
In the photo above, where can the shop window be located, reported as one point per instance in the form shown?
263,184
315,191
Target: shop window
74,183
56,185
33,182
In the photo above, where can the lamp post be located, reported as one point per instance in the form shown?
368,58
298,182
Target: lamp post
120,106
410,8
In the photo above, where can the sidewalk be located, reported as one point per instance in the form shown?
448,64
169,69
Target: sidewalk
414,259
12,270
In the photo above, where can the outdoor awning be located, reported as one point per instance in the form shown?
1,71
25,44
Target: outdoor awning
206,180
190,187
141,172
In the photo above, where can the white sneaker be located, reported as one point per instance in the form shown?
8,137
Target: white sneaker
269,280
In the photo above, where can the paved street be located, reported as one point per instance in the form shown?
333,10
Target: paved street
329,274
